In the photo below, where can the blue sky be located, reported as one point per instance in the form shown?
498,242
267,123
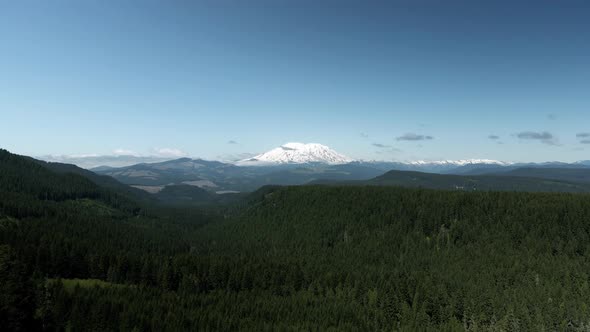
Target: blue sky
97,77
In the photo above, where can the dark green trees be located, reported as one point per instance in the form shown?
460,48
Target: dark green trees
297,258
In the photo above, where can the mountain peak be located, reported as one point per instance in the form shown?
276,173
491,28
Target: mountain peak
297,153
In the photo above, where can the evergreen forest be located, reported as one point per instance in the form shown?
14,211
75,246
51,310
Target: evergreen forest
84,253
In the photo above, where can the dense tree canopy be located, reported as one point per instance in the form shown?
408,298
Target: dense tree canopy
76,256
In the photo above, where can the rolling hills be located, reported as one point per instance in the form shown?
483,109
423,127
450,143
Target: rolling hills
503,182
576,175
369,256
217,176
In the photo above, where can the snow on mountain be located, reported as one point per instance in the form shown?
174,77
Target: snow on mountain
297,153
301,153
461,162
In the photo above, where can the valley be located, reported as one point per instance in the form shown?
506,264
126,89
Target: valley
84,252
301,164
317,166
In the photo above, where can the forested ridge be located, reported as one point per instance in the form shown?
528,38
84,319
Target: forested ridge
526,179
77,256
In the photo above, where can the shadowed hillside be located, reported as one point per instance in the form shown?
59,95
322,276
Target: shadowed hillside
468,183
346,258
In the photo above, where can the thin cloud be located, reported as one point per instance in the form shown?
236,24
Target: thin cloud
364,135
381,146
235,157
93,160
545,137
232,142
169,152
551,116
414,137
124,152
585,141
118,158
494,137
583,135
388,150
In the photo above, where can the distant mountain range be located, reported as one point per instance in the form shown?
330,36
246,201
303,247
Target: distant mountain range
93,161
222,177
296,164
196,181
302,154
299,163
542,180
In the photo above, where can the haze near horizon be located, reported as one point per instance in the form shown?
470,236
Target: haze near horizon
393,81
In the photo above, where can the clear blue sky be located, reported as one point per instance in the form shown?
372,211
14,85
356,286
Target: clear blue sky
91,77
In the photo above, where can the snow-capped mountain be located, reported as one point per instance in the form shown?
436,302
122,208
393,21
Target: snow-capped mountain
293,154
461,162
297,153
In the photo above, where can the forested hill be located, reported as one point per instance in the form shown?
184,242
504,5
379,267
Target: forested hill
576,175
389,258
341,258
26,183
62,225
103,181
22,175
498,182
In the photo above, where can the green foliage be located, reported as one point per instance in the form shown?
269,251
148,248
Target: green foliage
520,181
102,181
71,285
183,195
578,175
28,188
16,293
340,258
